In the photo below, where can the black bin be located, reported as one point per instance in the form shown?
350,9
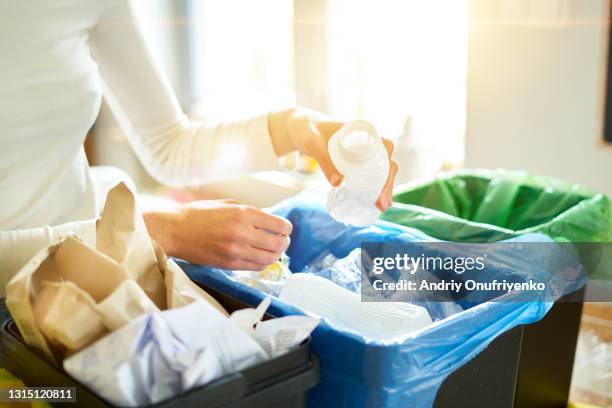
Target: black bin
279,382
515,369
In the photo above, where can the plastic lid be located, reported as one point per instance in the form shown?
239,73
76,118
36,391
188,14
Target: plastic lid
357,141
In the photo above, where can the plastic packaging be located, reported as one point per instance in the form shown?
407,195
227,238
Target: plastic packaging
344,272
593,366
360,156
344,309
270,280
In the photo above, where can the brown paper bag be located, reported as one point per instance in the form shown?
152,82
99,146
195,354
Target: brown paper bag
91,270
68,315
21,292
122,235
54,297
125,276
125,303
117,296
180,290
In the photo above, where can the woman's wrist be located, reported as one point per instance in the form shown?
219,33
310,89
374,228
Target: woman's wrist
162,227
279,131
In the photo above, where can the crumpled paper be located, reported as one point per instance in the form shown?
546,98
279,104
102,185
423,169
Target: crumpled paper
161,355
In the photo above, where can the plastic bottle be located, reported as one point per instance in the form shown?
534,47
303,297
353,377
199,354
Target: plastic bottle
360,156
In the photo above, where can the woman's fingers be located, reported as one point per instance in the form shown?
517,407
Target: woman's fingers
242,265
228,201
386,195
269,242
327,167
388,147
260,257
325,131
269,222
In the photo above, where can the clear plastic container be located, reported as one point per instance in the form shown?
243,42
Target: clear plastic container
344,309
360,156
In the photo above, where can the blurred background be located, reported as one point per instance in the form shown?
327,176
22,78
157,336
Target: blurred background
399,64
517,84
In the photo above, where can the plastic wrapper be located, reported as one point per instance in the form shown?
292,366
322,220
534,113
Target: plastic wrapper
360,371
270,280
344,272
593,365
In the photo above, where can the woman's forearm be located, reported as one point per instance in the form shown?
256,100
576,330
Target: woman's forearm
279,132
161,227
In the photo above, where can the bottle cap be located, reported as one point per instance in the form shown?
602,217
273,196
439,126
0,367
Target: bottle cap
356,141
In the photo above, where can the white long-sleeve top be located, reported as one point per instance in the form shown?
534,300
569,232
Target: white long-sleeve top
55,59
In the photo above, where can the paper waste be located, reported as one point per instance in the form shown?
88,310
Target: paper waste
160,355
69,294
124,319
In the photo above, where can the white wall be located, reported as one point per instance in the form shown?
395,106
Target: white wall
536,73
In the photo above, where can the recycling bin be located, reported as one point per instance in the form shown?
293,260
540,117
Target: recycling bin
279,382
491,205
471,359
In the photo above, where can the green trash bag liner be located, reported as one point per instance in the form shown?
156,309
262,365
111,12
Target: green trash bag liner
492,205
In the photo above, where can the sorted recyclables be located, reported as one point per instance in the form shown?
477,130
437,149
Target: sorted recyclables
70,294
359,371
161,355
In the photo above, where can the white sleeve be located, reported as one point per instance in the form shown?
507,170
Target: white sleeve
18,246
173,149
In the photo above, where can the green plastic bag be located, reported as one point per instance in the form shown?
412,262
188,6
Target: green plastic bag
491,205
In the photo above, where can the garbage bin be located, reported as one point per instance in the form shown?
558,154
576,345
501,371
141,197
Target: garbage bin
491,205
470,359
279,382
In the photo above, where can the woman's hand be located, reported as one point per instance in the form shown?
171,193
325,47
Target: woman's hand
308,132
220,233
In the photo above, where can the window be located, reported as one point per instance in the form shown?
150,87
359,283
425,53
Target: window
245,56
401,64
395,63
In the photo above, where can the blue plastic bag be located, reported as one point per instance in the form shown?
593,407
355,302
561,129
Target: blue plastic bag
363,372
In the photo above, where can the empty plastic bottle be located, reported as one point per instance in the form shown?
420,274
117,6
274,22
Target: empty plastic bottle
360,156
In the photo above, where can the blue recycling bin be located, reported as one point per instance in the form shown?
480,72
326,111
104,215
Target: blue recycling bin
357,371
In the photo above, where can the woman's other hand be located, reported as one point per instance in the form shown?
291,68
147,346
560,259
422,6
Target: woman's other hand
220,233
309,132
